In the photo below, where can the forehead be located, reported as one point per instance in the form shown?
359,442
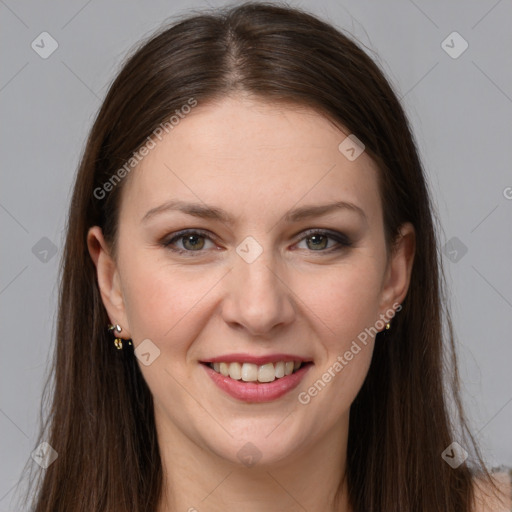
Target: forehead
249,155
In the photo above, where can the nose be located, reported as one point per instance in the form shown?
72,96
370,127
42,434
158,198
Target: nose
258,298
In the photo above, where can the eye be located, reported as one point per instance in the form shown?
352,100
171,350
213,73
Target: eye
194,241
318,240
191,240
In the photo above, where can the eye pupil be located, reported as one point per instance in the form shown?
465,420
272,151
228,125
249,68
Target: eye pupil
193,240
317,241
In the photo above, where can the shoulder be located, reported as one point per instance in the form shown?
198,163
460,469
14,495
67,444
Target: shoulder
488,499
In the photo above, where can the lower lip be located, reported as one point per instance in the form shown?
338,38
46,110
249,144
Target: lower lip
257,392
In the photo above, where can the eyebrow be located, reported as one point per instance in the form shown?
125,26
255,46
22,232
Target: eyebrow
205,211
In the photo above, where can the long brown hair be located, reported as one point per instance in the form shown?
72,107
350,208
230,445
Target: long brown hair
408,411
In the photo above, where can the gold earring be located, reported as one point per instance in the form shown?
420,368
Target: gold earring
386,329
118,342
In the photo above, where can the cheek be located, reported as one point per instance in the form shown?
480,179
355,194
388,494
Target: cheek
163,302
345,299
345,303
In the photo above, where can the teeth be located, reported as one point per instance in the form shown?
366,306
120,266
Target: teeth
224,369
249,372
235,371
279,369
266,373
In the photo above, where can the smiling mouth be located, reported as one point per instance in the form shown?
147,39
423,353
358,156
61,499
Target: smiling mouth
260,374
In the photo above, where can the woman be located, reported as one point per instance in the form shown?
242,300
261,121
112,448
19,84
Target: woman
251,308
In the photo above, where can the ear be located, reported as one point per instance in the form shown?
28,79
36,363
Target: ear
398,272
108,279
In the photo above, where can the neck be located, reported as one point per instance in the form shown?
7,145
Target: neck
197,479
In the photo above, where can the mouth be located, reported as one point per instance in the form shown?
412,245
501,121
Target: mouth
261,374
259,381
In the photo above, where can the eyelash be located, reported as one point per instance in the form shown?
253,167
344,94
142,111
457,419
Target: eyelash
342,240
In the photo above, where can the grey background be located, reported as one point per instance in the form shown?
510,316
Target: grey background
461,110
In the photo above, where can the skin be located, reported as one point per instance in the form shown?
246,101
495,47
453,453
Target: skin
257,161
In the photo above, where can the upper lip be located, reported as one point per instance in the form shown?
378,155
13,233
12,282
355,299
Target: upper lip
259,360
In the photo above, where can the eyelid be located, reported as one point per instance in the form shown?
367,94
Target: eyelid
341,239
166,242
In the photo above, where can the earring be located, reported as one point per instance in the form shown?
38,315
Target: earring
118,342
386,329
114,327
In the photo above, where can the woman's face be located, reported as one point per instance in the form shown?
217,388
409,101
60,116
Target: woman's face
267,275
